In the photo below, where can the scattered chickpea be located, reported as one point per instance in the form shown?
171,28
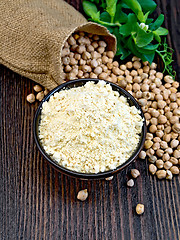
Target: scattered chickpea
152,169
169,175
159,164
148,144
142,155
37,88
30,98
135,173
174,170
82,195
139,209
130,183
40,96
109,178
161,174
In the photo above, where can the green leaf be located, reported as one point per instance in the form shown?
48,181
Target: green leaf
149,57
131,46
146,16
157,23
91,10
111,7
127,28
157,37
149,20
120,16
151,47
136,8
146,49
147,5
105,17
143,38
161,31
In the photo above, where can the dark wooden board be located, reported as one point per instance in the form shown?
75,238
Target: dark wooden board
36,202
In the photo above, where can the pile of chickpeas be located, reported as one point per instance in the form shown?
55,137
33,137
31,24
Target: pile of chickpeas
85,56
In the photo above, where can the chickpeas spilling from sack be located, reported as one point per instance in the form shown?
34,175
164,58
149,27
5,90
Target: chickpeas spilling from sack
87,56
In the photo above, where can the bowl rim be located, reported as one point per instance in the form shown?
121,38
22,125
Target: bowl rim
69,172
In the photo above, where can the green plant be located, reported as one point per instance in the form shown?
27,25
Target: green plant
135,31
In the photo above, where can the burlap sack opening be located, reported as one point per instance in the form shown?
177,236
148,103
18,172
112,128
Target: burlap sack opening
33,34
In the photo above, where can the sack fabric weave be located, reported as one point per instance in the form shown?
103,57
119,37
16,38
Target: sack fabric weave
33,33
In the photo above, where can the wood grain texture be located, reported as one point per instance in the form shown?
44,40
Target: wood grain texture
36,202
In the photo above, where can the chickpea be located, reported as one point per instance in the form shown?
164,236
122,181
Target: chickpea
152,169
86,68
103,76
154,121
173,105
167,129
174,135
98,70
129,87
100,50
40,96
155,113
95,55
165,157
142,102
173,90
174,170
136,87
92,75
161,104
122,83
138,94
30,98
153,65
82,62
86,55
159,164
90,48
160,127
156,91
167,165
175,84
176,112
146,69
82,195
154,105
86,75
174,143
174,119
173,160
153,128
142,155
163,144
147,116
158,82
148,144
167,137
173,97
110,54
129,79
134,73
167,85
136,64
140,71
156,146
165,94
162,119
159,152
129,65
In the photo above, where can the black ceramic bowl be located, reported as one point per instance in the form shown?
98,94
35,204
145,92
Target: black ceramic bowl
77,83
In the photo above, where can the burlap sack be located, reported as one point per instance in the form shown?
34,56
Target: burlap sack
33,32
